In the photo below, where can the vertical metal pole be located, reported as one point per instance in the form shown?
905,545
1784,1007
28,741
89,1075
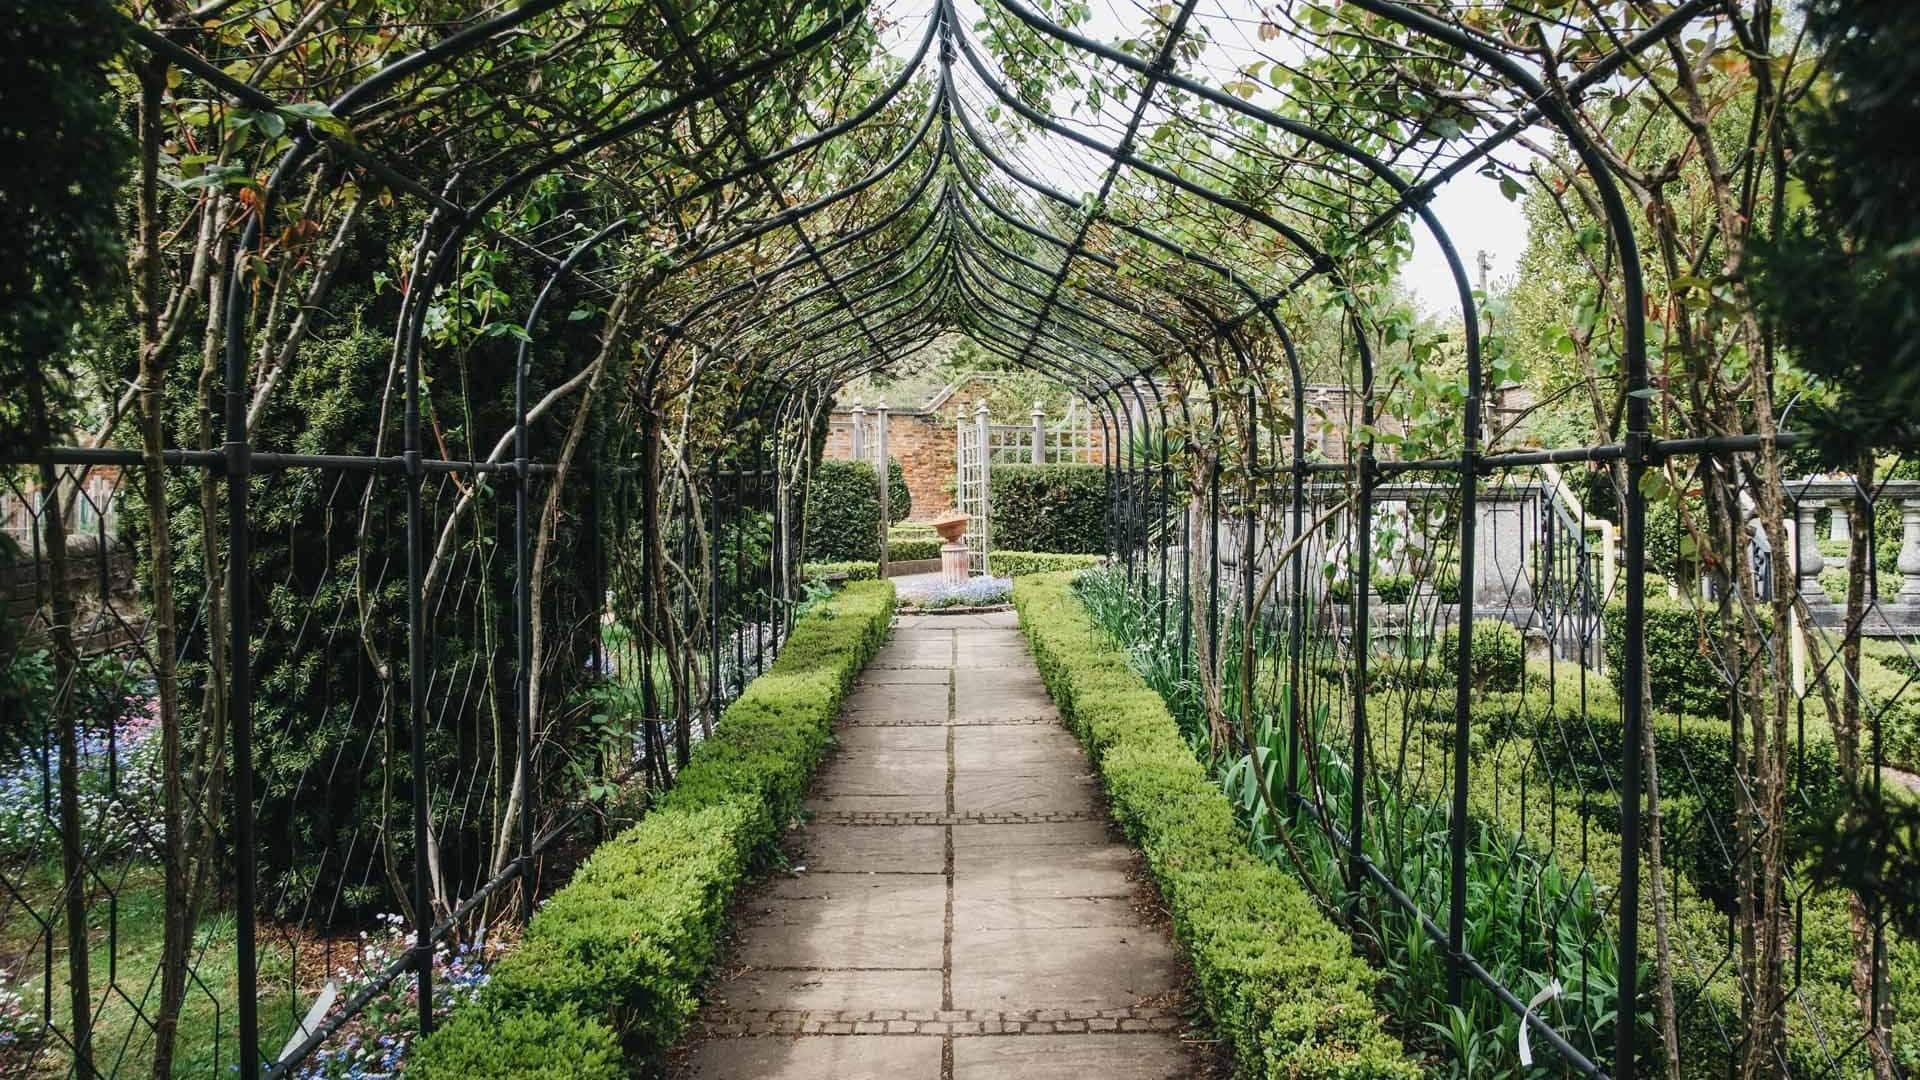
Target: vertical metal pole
417,686
1463,703
880,469
523,633
1297,617
1039,434
714,622
238,455
1362,653
1633,721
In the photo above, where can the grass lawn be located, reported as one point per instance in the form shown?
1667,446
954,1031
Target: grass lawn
125,920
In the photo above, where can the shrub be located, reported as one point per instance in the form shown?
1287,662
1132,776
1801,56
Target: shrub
625,941
1055,508
1499,655
523,1044
1393,588
1019,563
843,512
899,499
912,550
1279,981
1685,648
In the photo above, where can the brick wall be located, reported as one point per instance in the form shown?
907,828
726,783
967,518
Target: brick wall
101,622
922,440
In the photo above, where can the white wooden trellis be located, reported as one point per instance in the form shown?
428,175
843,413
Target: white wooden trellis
972,456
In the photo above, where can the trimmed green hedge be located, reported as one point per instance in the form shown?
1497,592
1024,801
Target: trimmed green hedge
1056,508
489,1043
1021,563
1499,655
610,962
1683,647
1279,981
912,550
843,512
843,508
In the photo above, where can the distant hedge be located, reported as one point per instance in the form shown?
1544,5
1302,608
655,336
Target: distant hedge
843,509
1058,508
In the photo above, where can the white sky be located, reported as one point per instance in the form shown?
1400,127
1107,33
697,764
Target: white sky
1477,216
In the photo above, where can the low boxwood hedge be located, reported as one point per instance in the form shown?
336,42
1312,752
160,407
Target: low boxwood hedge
851,570
1021,563
913,550
607,968
1280,982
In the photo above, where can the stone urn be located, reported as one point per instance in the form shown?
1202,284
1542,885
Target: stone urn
954,557
951,526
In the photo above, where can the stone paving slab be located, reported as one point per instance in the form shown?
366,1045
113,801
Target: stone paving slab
1055,967
818,1058
814,990
902,701
1037,792
961,907
926,651
926,676
1011,654
890,737
885,772
849,849
1074,1057
979,912
1016,747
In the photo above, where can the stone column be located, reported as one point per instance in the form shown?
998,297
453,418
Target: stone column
1910,554
1842,526
1808,563
1500,542
857,434
1039,434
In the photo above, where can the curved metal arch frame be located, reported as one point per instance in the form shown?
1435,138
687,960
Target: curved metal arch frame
1638,452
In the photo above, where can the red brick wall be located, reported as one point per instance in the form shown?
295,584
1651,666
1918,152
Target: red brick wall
923,443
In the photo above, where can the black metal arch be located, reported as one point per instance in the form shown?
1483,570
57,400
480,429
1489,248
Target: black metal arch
824,271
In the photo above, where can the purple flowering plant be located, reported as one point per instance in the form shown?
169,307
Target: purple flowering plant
374,1044
973,592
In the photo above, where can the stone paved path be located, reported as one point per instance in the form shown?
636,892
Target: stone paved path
966,910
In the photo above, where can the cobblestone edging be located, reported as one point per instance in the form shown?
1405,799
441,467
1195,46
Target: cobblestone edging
941,1023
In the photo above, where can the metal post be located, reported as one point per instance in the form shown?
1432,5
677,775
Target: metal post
1362,648
880,469
417,690
523,632
238,454
1463,705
